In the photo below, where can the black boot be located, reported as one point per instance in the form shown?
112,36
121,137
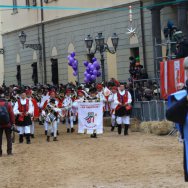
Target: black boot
68,130
126,129
119,128
52,134
45,132
94,135
55,139
48,138
112,128
21,138
57,132
28,141
32,136
72,130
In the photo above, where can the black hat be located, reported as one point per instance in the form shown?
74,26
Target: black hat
1,90
92,90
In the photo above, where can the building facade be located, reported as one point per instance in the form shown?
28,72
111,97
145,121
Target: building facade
61,32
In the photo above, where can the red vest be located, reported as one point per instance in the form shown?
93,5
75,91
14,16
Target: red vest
123,99
23,108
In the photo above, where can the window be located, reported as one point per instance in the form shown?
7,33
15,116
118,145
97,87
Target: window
34,2
31,3
15,10
27,3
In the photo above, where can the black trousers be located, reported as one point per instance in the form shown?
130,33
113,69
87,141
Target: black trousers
9,139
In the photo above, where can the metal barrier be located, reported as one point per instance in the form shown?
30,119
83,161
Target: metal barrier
150,110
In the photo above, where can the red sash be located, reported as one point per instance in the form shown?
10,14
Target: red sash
36,108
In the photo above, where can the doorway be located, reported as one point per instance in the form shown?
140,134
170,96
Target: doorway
54,70
35,73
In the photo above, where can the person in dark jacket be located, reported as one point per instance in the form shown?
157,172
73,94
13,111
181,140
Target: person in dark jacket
178,113
6,127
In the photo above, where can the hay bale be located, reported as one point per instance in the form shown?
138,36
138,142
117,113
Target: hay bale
161,127
135,125
145,127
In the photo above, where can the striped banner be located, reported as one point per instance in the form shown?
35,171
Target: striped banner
171,74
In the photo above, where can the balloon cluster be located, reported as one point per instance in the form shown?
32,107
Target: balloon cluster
92,71
73,63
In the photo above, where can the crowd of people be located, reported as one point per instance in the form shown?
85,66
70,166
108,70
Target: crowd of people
52,106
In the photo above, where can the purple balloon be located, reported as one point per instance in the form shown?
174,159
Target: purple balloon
86,80
75,68
88,70
91,72
98,67
94,59
74,73
98,74
96,64
86,63
85,73
93,77
73,54
76,62
70,64
95,72
89,65
92,67
71,59
88,76
68,57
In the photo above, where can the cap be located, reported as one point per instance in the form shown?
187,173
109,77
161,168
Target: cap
92,90
68,91
80,92
99,86
51,92
28,92
114,88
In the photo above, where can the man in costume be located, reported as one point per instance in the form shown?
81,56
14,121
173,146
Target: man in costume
24,110
52,119
52,95
93,97
67,105
123,109
113,104
36,111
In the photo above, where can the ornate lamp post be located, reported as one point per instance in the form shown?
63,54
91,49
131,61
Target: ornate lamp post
23,37
102,47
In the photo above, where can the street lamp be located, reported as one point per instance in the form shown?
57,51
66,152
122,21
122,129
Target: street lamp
23,37
102,47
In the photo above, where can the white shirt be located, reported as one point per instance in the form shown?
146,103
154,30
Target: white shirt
113,100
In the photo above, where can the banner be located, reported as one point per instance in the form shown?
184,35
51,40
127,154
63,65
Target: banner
171,74
90,117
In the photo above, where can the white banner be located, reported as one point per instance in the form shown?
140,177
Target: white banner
90,117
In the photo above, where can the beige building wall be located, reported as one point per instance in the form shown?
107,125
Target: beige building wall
12,21
1,57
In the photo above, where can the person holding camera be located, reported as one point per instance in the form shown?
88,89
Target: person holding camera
7,122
